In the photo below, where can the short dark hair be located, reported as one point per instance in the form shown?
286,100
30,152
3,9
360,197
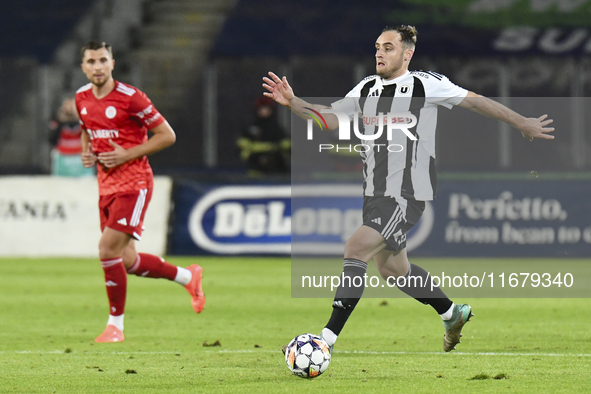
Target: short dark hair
94,45
408,34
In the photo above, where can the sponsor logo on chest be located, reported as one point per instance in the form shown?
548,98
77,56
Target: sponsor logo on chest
103,133
377,121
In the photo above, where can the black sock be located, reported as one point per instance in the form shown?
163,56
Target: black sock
348,294
420,289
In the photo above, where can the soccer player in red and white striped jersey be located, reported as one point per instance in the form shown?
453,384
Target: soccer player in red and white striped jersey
115,118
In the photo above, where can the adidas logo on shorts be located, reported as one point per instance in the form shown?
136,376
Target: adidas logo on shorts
377,221
122,222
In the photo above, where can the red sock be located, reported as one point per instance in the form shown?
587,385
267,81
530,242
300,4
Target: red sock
151,266
116,282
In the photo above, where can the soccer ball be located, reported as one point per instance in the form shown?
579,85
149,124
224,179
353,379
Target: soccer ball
307,356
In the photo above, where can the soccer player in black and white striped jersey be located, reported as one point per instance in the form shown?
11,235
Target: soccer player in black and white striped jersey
397,184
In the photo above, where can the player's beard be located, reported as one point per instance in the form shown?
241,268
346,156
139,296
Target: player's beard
103,81
390,71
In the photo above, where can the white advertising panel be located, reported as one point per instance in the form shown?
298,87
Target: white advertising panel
54,216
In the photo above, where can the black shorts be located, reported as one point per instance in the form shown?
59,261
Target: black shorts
392,217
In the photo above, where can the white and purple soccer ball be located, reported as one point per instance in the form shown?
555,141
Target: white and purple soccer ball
307,356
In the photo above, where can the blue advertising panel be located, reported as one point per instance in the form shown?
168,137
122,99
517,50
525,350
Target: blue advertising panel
468,218
231,220
265,219
511,218
325,216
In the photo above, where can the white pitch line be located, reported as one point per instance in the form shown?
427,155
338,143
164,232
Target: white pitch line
402,353
469,354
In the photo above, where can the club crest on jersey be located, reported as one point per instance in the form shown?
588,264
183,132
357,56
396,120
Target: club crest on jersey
404,89
110,112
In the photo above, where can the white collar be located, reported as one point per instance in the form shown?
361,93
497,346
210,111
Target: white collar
395,80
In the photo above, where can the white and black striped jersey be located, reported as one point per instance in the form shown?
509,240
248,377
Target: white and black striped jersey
409,173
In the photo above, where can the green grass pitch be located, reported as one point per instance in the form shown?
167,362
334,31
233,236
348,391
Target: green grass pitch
52,309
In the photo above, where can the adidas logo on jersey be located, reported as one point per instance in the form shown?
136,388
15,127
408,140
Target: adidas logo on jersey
122,222
377,221
83,112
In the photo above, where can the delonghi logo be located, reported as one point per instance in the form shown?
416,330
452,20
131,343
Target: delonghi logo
245,220
305,219
382,123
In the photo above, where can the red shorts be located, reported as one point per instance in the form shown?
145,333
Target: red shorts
125,211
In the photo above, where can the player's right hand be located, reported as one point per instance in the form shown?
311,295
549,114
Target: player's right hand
278,89
89,159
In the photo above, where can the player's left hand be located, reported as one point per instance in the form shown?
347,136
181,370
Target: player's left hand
536,128
114,158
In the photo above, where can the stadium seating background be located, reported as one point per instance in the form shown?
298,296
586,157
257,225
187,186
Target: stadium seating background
325,48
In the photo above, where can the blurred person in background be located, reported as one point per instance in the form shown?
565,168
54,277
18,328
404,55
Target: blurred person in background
64,137
115,120
263,145
398,182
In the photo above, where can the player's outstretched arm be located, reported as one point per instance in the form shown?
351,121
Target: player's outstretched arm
163,137
279,90
530,127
